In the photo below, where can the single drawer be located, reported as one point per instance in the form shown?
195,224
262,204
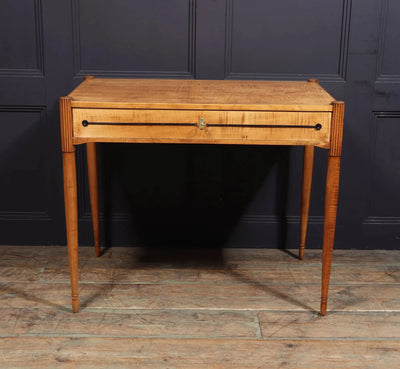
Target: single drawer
202,126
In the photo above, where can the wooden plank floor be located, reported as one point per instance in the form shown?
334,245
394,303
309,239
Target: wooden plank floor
227,308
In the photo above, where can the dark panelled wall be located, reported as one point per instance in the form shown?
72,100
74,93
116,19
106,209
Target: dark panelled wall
200,195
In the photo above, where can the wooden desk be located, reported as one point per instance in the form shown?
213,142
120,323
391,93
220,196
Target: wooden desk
198,111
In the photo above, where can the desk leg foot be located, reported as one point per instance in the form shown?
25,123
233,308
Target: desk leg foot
308,162
324,306
71,220
75,304
331,200
94,192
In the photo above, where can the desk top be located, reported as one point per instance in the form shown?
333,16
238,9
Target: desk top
201,94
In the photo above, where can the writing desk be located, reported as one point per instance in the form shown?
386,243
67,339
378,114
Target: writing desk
201,112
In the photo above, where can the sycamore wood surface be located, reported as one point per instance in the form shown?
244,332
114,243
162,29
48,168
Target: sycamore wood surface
201,94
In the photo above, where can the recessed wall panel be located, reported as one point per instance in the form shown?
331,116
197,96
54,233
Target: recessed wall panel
287,37
129,36
20,37
22,161
390,35
385,167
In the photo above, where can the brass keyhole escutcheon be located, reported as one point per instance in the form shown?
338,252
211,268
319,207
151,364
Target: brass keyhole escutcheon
202,123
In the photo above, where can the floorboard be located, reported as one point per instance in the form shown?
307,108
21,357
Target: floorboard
232,308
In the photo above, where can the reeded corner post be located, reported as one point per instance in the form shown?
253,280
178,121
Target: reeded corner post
66,124
70,195
331,198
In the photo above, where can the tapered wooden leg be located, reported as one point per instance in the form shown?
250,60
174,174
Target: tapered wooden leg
331,200
308,163
94,192
71,219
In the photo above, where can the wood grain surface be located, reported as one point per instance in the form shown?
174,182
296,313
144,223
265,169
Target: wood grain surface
244,127
201,94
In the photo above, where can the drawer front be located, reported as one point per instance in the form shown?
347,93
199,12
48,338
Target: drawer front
129,125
